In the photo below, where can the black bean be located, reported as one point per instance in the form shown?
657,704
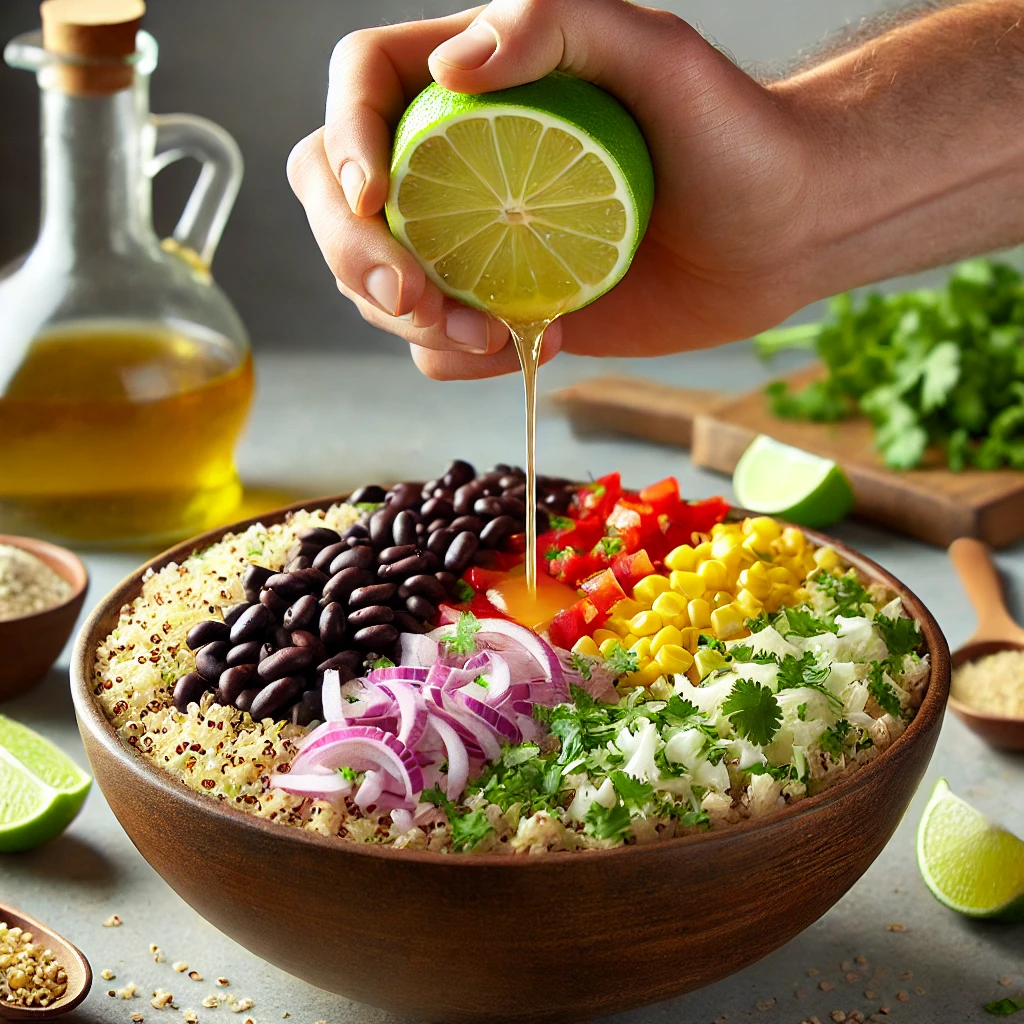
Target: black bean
244,700
303,638
275,696
189,689
435,525
234,680
332,624
300,714
393,554
243,654
519,491
360,530
350,662
466,495
253,579
513,479
447,580
291,585
371,494
210,659
460,554
407,623
439,541
488,507
433,563
302,614
319,535
313,699
427,490
378,593
359,558
274,603
328,554
381,526
251,625
301,562
443,492
359,542
403,496
376,637
500,469
437,508
372,615
421,608
512,507
288,661
543,519
496,531
231,614
303,549
459,472
280,637
404,529
558,501
203,633
266,651
423,585
405,567
472,523
487,558
342,583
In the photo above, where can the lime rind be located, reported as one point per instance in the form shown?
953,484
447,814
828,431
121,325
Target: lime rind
970,864
44,760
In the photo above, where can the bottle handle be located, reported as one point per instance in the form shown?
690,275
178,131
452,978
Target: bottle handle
206,213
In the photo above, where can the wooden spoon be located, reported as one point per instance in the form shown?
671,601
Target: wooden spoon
74,962
996,631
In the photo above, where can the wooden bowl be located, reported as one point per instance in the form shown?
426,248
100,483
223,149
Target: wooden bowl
30,644
458,938
997,731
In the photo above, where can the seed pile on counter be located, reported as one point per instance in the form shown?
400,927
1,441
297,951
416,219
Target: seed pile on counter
29,974
27,584
342,599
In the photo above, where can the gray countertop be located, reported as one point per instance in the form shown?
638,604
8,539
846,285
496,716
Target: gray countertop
325,422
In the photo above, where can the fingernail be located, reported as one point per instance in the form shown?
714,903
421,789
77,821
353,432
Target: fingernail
381,284
467,328
469,50
352,182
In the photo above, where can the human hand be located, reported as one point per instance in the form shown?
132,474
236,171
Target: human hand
723,254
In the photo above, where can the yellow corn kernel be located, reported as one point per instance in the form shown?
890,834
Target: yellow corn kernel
747,603
827,559
587,645
665,635
756,548
601,635
780,574
713,573
724,529
791,542
755,579
727,621
800,596
629,639
642,649
670,605
763,526
626,608
724,546
674,658
650,588
646,676
691,638
688,583
720,598
702,551
681,558
645,624
607,646
777,596
699,612
617,625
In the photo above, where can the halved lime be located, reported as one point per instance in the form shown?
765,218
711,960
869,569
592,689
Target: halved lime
970,864
779,480
41,788
526,202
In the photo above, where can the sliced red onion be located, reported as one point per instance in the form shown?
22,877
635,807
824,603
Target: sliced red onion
601,683
449,615
371,788
405,673
502,725
458,757
477,734
417,650
512,641
325,785
331,696
413,712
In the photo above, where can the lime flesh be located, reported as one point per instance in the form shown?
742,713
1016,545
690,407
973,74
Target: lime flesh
41,788
970,864
529,202
780,480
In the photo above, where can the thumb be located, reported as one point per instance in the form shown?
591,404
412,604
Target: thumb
642,55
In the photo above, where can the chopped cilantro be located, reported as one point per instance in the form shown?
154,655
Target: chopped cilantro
559,522
607,822
754,711
383,663
759,622
582,664
779,772
803,623
883,693
712,643
348,773
619,661
368,506
609,546
801,712
634,793
679,708
598,490
745,653
901,637
255,548
795,673
846,592
462,641
831,740
482,681
463,592
467,829
1004,1007
691,818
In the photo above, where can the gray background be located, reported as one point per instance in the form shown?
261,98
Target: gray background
259,68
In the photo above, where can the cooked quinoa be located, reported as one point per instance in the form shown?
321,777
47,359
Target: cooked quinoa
223,753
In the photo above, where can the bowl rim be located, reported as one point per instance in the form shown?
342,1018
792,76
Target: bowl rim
63,556
91,717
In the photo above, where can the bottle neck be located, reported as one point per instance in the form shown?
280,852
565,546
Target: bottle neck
96,197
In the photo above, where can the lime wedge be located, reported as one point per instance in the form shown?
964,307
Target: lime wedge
970,864
779,480
41,788
526,202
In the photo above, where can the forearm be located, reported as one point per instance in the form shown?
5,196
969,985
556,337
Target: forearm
915,146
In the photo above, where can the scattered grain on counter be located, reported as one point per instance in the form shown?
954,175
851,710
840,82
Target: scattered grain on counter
827,986
138,1018
993,684
128,992
242,1005
195,975
112,922
181,967
29,974
161,999
223,981
156,953
898,926
1006,981
107,974
27,584
191,1017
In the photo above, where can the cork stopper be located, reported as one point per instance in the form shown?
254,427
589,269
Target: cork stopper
97,36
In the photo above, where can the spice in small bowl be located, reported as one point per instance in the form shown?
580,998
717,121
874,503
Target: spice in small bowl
993,684
42,587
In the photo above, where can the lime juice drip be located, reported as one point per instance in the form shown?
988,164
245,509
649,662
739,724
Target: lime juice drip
528,337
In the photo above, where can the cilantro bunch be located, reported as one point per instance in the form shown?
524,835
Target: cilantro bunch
942,368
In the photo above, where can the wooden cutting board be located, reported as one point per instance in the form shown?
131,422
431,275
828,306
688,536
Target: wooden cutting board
932,502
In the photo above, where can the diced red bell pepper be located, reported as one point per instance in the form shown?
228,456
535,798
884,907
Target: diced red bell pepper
603,589
631,568
515,544
600,496
626,523
483,609
704,514
662,496
570,566
578,620
481,579
581,534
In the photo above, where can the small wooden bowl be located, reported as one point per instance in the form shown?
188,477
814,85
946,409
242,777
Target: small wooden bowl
998,731
459,938
31,643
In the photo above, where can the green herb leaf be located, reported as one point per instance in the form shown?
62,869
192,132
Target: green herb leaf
582,664
846,592
559,522
754,711
368,507
744,653
608,546
619,661
634,793
883,693
831,740
902,636
607,822
803,623
1004,1007
463,592
383,663
801,712
463,640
